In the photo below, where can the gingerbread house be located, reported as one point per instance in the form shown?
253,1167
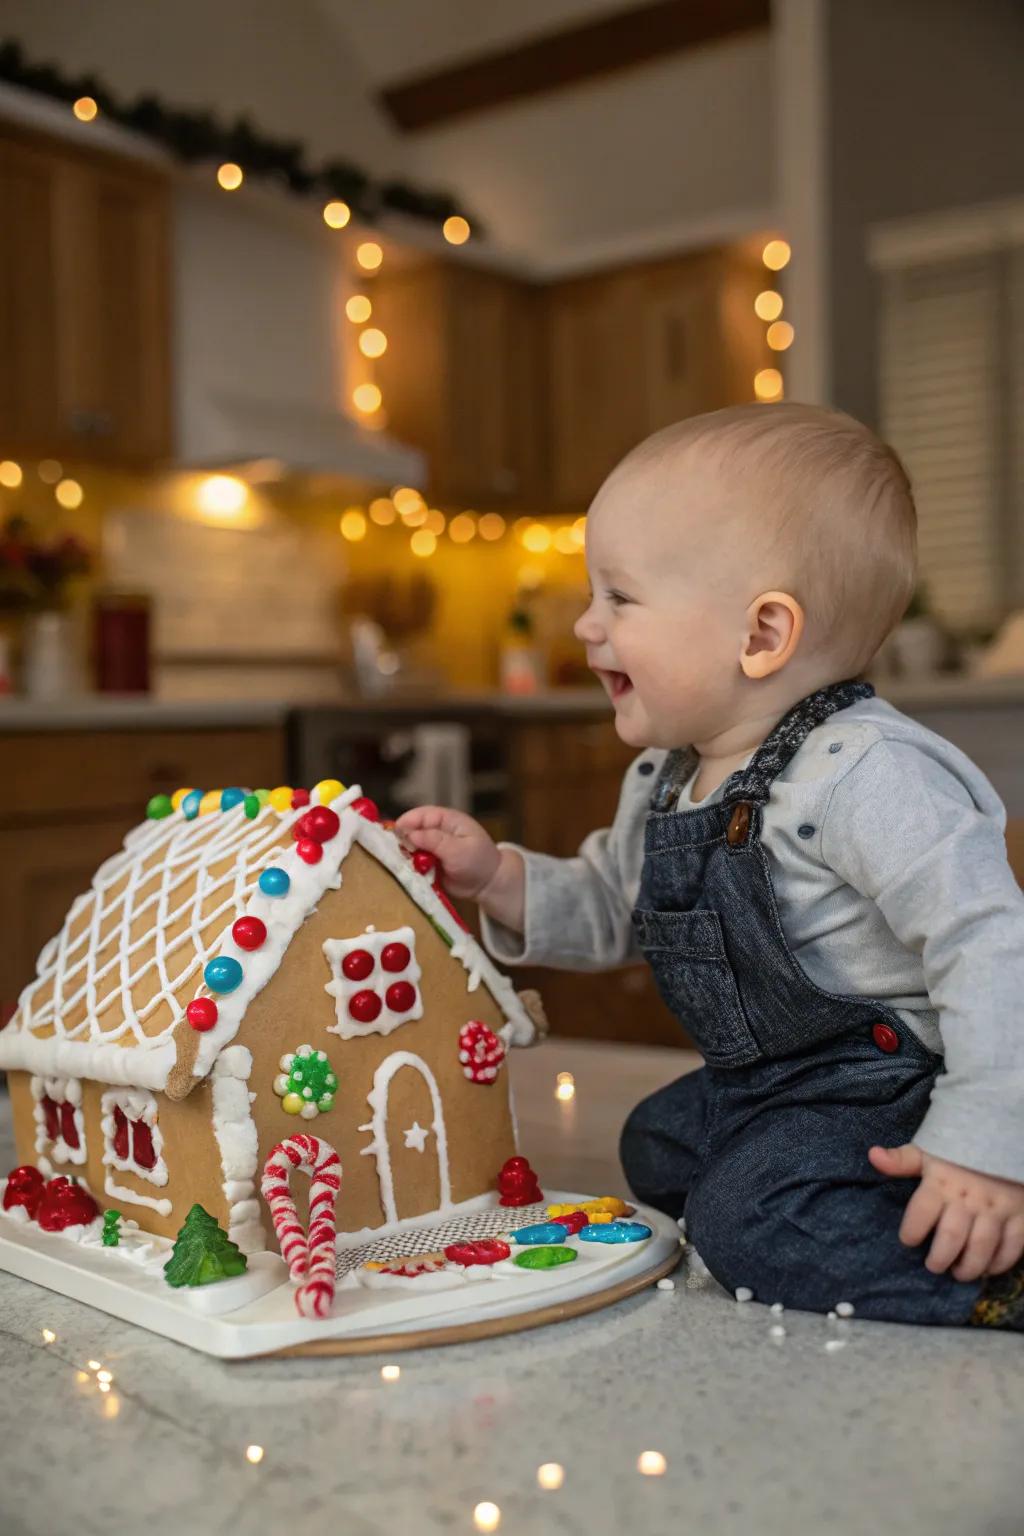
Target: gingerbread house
247,963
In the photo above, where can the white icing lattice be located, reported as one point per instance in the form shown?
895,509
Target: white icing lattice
138,1108
378,982
112,987
63,1093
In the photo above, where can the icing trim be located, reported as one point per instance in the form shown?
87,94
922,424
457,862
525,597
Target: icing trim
134,1104
378,1124
59,1090
235,1133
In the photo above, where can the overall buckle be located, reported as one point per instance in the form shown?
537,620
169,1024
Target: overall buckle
739,824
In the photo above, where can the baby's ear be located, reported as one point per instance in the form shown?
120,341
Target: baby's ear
775,622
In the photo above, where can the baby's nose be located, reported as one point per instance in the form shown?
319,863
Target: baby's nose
587,628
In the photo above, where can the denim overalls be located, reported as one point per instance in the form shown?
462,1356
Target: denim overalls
765,1148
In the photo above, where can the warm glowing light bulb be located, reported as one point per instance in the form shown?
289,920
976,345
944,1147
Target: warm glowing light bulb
48,1336
230,176
768,305
415,517
407,500
104,1386
435,521
85,109
768,384
456,230
537,539
779,335
382,512
10,474
222,495
70,494
462,528
254,1453
373,343
112,1406
566,541
353,525
337,214
565,1091
565,1077
358,308
94,1365
50,471
390,1372
369,255
491,526
487,1516
106,1376
367,398
776,254
651,1463
81,1376
551,1475
423,543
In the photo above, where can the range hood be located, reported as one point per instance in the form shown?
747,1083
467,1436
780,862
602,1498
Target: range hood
260,356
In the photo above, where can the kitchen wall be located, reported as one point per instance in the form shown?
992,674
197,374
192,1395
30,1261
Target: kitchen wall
925,115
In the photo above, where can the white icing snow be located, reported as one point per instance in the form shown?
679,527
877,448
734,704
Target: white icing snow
59,1090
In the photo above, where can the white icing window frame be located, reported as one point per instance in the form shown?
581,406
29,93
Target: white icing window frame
61,1090
134,1104
341,988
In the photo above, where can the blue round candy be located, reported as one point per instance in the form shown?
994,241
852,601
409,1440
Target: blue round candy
275,882
190,804
541,1232
614,1232
223,974
231,797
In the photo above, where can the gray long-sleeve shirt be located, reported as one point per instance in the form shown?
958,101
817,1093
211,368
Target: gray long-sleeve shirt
902,893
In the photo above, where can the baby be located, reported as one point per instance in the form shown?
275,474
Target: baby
819,884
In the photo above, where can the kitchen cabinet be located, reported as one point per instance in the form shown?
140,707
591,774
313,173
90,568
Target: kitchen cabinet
463,380
68,800
632,350
84,304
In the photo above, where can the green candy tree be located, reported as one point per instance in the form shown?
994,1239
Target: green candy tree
202,1252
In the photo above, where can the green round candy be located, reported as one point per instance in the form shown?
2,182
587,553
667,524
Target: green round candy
262,795
251,806
544,1257
326,1103
159,807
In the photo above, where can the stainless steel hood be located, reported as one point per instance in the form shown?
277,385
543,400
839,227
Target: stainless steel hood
260,346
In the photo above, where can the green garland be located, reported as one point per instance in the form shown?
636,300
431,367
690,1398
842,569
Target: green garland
194,136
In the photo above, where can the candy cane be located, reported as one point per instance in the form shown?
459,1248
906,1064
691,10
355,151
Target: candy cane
309,1256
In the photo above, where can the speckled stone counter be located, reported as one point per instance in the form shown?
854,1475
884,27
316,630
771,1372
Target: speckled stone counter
835,1427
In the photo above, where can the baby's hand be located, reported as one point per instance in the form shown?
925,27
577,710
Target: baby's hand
469,856
978,1219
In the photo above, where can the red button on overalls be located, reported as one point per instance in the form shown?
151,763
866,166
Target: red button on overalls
885,1037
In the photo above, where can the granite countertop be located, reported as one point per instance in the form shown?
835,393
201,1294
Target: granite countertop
846,1428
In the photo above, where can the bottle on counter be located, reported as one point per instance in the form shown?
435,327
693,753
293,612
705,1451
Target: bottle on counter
521,665
121,641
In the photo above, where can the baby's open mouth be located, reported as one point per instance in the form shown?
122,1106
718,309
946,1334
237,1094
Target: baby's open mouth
617,683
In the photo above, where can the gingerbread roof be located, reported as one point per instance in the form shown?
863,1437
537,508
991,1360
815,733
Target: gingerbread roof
110,995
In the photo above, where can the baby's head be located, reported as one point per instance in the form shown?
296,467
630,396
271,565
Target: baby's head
739,561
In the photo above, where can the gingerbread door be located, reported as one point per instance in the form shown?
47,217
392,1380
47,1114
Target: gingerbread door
409,1138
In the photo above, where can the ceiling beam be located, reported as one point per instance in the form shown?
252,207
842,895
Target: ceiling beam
617,41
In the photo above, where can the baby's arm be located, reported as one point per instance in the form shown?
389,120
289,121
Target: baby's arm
924,840
570,914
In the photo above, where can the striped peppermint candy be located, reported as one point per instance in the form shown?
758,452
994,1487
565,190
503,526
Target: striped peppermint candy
309,1256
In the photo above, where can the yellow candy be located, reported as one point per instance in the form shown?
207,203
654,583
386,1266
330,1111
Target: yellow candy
178,797
210,801
609,1205
326,791
281,798
292,1104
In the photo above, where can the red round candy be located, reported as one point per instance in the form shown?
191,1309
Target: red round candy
357,964
308,851
322,823
423,861
485,1250
400,996
299,797
302,827
366,808
249,932
395,957
202,1013
364,1006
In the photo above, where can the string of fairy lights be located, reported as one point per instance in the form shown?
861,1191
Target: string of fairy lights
426,528
768,306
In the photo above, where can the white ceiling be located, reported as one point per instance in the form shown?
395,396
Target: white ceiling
398,39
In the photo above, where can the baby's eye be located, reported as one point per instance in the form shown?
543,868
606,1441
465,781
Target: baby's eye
616,598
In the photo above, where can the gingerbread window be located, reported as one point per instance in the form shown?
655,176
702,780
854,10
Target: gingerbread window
60,1124
132,1143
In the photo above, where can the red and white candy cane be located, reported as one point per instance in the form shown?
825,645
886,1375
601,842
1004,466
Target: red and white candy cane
309,1255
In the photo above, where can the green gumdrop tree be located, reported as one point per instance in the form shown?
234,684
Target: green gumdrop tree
202,1252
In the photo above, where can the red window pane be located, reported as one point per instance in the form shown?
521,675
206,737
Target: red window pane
142,1136
51,1115
68,1128
120,1135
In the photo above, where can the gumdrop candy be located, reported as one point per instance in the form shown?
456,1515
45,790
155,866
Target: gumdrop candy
66,1204
517,1183
485,1250
544,1258
24,1187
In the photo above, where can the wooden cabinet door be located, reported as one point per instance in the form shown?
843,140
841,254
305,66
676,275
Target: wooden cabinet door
84,305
